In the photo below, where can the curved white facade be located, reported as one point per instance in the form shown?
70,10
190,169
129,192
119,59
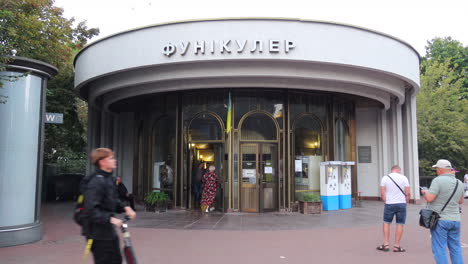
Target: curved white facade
226,53
377,72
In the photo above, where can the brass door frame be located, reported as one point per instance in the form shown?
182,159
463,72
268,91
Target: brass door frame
242,142
190,168
186,179
262,184
250,186
216,116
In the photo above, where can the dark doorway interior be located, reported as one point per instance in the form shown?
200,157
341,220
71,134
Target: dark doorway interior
202,155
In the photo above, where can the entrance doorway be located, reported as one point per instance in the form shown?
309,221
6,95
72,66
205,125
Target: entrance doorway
259,166
205,148
202,155
258,163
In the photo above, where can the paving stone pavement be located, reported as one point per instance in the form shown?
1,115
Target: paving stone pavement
180,236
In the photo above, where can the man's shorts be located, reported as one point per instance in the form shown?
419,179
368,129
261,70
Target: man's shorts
397,210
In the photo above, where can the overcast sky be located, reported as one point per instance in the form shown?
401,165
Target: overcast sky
413,21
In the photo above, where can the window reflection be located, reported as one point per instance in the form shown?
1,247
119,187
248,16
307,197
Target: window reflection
341,136
308,155
258,127
164,151
270,101
205,127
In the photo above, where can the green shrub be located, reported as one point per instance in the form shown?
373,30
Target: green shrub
71,165
155,198
69,162
311,197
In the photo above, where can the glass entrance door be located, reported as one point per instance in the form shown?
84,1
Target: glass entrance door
250,184
269,177
259,177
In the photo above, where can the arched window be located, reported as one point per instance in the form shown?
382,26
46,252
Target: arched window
205,127
258,126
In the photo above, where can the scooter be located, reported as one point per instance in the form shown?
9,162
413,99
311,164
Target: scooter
129,253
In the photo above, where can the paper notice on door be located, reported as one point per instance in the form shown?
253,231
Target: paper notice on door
268,169
298,165
248,173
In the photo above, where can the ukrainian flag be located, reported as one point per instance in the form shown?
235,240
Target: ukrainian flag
229,114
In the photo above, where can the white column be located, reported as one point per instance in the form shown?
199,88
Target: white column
399,137
414,150
384,143
411,146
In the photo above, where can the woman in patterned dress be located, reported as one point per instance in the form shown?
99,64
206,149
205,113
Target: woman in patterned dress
210,184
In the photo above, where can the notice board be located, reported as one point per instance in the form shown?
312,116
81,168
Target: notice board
364,154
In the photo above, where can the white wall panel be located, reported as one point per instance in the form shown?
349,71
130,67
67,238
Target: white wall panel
367,135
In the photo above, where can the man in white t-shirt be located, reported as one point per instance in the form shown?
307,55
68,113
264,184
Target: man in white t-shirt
395,192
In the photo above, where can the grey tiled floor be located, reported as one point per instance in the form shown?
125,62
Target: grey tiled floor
369,214
344,236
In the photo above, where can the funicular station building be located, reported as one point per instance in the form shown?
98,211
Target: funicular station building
264,100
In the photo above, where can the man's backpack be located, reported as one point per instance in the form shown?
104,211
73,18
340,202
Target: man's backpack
78,214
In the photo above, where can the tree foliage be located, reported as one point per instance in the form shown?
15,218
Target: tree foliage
442,105
455,54
38,30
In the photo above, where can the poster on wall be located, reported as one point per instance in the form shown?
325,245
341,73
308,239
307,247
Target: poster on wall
298,165
156,182
249,173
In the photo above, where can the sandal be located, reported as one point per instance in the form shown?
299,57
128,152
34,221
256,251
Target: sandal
383,247
399,249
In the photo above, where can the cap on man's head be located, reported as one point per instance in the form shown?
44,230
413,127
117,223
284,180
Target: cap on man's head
443,164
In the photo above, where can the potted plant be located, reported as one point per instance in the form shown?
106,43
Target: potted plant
156,202
310,204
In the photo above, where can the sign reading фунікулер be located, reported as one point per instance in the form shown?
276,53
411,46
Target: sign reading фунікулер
227,46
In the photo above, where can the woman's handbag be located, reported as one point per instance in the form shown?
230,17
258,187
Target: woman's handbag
429,218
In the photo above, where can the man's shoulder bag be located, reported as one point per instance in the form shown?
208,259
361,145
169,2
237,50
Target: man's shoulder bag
429,218
404,194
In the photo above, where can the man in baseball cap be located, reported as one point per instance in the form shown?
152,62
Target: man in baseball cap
445,192
443,164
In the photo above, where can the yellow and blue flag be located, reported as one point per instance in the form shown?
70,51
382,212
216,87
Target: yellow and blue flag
229,114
